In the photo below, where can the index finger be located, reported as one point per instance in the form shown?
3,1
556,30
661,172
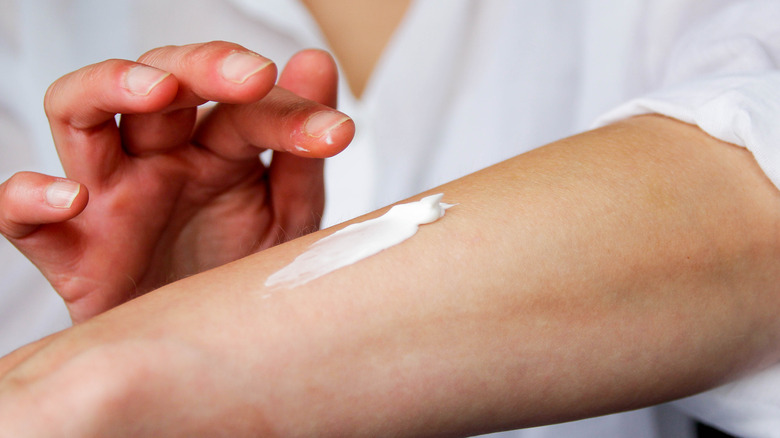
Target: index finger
216,71
81,107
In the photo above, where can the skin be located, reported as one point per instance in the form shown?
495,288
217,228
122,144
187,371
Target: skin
374,20
621,267
199,169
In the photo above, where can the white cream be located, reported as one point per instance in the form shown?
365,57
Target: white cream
358,241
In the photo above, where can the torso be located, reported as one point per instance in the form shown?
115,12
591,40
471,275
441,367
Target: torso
358,31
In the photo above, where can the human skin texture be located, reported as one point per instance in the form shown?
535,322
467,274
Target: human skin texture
173,189
615,269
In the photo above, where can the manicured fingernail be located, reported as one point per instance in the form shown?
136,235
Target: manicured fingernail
240,66
61,193
322,123
141,80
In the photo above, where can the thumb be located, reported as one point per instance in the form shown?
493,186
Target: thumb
29,200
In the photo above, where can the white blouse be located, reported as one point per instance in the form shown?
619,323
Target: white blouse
462,84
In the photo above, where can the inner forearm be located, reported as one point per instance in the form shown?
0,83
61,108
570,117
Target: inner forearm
611,270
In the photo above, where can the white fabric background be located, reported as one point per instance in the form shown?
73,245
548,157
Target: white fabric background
462,85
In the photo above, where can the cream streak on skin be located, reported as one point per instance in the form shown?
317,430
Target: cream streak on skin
358,241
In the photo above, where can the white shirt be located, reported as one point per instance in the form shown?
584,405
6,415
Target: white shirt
462,84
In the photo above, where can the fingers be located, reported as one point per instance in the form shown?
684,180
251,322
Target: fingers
28,200
158,105
295,117
216,71
312,74
298,182
158,96
283,121
81,107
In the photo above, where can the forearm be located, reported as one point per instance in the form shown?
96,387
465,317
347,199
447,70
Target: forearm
605,272
615,269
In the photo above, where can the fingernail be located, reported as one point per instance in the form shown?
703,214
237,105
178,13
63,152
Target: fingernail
141,80
240,66
322,123
61,193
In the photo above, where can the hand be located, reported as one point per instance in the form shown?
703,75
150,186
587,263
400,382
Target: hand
172,190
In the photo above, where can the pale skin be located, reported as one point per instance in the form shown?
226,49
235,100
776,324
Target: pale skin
621,268
373,20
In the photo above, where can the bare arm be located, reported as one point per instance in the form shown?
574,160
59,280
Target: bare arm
616,269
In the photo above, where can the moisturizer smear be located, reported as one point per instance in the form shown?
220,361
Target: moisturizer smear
358,241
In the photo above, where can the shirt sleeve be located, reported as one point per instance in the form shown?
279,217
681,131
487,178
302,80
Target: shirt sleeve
723,75
739,109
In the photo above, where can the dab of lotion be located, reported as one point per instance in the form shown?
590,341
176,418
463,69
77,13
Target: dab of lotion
358,241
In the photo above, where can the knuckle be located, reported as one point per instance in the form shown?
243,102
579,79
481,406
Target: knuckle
187,55
58,101
153,56
210,50
11,194
220,46
11,187
51,98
